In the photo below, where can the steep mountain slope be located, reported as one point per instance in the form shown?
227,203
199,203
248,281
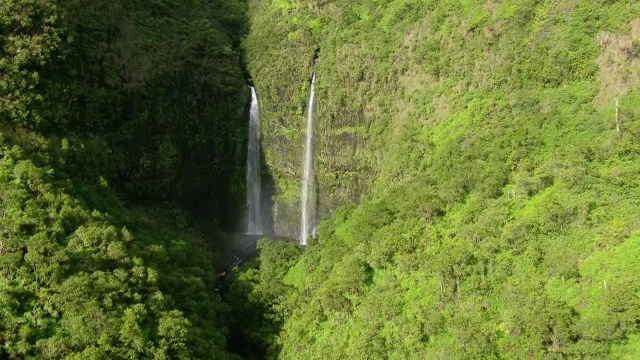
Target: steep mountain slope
120,123
499,200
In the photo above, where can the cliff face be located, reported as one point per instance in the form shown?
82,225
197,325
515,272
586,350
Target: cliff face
388,73
281,48
488,192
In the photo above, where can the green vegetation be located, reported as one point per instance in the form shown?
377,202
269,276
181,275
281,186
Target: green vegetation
499,212
148,95
121,126
479,183
88,284
257,297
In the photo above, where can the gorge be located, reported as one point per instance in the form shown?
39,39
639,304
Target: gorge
447,180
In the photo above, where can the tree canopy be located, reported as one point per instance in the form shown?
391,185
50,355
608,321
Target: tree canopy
121,126
489,201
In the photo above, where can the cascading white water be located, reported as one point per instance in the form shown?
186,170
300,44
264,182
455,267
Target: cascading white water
254,184
308,198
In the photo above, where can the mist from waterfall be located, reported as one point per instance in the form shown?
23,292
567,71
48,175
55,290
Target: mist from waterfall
308,191
254,183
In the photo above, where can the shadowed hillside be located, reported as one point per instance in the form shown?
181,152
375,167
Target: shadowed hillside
122,124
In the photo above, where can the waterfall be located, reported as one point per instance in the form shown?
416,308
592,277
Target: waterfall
308,198
254,185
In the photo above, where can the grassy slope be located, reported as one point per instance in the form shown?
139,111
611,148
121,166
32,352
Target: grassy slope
502,220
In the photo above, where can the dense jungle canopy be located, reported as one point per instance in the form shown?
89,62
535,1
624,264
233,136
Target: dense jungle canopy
477,167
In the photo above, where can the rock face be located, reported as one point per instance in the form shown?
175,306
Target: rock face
281,72
341,167
280,60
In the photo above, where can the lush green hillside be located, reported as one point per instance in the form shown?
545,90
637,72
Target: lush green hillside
99,282
149,95
479,184
499,212
121,125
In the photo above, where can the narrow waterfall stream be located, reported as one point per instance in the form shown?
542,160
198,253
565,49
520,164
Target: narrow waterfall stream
254,184
308,191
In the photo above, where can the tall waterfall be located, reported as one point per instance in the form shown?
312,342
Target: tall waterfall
254,185
308,191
